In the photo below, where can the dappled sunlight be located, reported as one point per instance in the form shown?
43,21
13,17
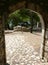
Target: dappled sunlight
22,46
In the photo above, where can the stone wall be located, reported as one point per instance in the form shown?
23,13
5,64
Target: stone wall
2,44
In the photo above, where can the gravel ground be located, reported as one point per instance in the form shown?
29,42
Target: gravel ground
22,48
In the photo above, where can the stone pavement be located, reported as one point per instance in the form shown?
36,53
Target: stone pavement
21,49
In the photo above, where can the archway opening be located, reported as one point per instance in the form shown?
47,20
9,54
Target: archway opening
24,37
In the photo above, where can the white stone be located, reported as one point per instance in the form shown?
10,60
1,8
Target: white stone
28,64
16,64
22,64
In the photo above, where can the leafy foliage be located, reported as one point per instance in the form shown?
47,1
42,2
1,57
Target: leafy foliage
35,17
23,15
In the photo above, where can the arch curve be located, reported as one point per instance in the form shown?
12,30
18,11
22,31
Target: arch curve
43,32
43,29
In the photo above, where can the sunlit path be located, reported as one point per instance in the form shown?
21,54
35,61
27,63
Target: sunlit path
22,48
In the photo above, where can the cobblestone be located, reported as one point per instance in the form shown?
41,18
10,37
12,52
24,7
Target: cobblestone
19,51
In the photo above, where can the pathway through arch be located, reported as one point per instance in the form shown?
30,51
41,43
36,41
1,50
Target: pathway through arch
21,49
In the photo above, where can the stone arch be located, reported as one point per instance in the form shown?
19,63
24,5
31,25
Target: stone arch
43,29
38,10
5,14
43,32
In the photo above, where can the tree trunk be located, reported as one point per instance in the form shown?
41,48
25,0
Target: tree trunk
31,20
37,25
31,30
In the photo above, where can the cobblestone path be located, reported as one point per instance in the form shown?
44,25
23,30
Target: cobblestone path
19,51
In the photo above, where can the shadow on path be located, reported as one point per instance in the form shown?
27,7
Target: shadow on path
7,64
36,34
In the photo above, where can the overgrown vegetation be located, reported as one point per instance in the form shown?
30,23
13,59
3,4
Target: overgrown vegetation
22,15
